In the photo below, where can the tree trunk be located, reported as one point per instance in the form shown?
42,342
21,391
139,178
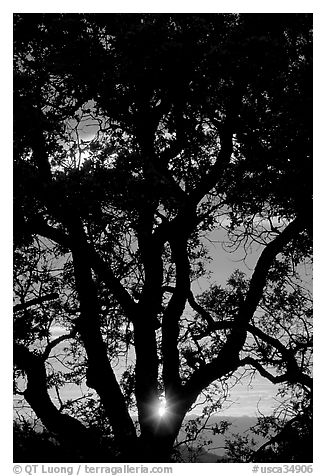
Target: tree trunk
157,446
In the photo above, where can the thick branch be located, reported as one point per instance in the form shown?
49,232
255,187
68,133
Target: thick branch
40,155
293,374
173,312
151,250
97,263
202,311
57,341
39,226
263,372
228,359
34,302
222,160
282,435
145,326
100,375
288,354
237,337
106,275
67,428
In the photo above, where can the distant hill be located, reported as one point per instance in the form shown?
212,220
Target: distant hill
215,451
198,455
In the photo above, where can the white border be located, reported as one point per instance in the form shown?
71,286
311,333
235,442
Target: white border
204,6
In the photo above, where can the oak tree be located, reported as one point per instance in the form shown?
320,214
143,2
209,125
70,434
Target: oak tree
136,137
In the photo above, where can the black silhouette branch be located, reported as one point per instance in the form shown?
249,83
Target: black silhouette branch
203,312
40,155
41,227
106,275
36,301
282,435
293,374
100,375
263,372
222,160
100,267
36,394
146,321
173,312
228,359
51,345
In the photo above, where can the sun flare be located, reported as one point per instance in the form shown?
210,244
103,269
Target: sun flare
161,411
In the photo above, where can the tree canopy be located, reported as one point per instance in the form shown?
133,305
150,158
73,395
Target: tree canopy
135,137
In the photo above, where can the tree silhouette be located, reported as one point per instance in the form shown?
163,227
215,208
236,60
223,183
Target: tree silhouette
136,135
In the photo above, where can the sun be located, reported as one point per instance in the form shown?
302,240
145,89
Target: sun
161,411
